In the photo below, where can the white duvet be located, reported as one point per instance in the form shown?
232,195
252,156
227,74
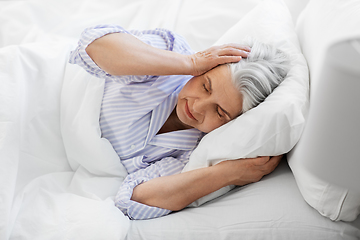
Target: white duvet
46,192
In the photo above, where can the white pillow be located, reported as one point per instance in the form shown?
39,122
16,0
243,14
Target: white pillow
321,24
275,126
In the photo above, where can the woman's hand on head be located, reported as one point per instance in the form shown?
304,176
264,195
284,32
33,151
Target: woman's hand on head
204,61
250,170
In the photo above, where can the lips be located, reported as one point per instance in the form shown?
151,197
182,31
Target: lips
187,110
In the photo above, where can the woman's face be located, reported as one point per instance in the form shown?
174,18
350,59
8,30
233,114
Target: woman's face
209,101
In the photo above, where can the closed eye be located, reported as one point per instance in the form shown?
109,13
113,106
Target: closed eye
208,81
223,112
218,112
204,86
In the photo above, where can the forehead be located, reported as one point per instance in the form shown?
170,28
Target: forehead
226,95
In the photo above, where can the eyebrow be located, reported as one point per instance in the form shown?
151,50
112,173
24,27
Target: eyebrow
210,88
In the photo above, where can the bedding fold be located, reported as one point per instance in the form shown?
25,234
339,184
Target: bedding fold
41,194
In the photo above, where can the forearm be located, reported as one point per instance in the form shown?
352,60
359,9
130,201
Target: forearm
124,54
177,191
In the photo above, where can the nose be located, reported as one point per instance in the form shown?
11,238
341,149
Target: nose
201,105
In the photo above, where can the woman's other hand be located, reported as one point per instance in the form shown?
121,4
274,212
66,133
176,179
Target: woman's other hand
174,192
204,61
245,171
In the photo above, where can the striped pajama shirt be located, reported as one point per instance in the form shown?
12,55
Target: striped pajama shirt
133,110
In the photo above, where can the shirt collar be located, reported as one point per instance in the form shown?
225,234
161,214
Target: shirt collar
183,139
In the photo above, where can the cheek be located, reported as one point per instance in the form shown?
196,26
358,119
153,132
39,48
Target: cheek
211,124
189,87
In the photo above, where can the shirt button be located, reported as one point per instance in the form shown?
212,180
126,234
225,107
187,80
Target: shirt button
132,146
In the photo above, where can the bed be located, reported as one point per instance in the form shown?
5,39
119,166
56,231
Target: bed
59,177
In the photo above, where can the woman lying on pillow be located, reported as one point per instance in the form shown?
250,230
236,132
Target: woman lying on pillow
154,112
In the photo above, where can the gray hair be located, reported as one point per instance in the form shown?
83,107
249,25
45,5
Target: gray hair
259,74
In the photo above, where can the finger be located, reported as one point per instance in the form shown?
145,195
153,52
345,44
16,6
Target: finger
237,46
228,59
273,163
258,161
230,51
262,160
276,158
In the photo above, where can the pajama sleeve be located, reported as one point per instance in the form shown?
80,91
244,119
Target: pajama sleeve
79,55
136,211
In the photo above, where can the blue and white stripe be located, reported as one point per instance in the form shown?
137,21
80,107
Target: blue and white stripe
134,108
167,166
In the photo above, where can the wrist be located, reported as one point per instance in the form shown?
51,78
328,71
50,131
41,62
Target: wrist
232,172
172,63
188,65
225,173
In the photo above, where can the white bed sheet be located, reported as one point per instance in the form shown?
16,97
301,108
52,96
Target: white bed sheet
270,209
44,196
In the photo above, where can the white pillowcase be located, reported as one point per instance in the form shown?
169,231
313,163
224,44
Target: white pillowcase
322,23
275,126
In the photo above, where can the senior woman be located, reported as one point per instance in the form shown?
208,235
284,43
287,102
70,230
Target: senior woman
160,98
